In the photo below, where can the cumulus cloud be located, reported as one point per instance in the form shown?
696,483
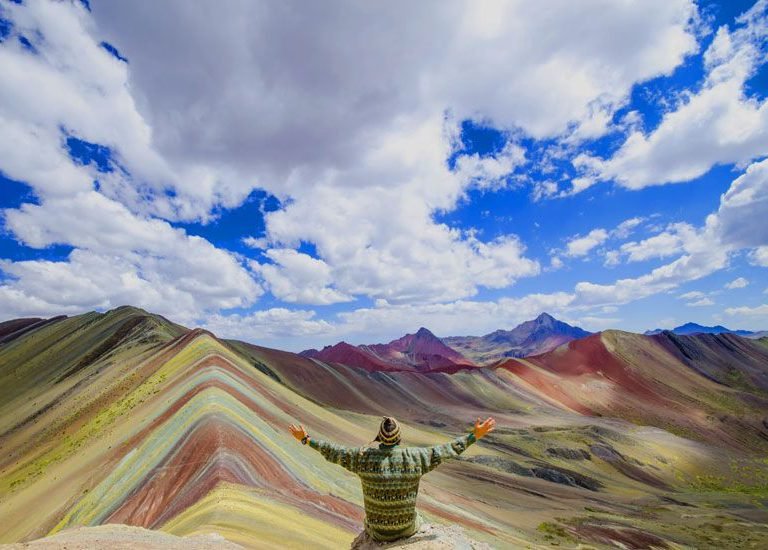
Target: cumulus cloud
358,138
580,246
357,131
119,259
739,282
719,124
71,87
290,77
740,220
625,228
688,267
737,223
670,242
704,250
297,277
759,256
354,140
269,324
382,241
612,258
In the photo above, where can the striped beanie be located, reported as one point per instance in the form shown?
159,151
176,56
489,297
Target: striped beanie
389,431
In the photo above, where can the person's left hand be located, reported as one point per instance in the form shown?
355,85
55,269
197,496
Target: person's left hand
298,431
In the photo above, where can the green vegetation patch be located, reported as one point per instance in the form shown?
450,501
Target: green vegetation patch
552,530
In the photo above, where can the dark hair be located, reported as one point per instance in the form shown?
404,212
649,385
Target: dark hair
389,424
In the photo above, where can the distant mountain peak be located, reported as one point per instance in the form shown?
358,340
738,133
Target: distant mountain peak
533,337
422,344
695,328
421,350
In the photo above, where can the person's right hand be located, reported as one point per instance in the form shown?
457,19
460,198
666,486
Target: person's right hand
297,431
482,428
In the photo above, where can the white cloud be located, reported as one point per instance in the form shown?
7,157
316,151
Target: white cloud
666,277
282,75
671,242
297,277
737,223
490,172
704,251
612,258
701,303
368,140
760,311
119,259
259,243
597,324
580,246
544,190
744,310
355,140
719,124
740,220
383,241
625,228
759,256
667,322
739,282
73,87
270,324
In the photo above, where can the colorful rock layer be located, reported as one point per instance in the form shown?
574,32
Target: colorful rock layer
127,418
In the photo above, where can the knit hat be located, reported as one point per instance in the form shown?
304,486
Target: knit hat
389,431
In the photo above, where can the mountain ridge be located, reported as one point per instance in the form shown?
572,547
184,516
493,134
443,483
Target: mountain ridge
173,429
695,328
423,351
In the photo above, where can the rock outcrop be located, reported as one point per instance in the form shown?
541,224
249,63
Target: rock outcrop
429,537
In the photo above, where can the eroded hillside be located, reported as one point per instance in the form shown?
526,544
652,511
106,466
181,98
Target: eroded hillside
125,417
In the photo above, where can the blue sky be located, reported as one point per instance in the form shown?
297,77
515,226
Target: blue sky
296,176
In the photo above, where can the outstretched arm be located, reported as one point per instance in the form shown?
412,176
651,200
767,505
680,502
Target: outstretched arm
432,457
343,456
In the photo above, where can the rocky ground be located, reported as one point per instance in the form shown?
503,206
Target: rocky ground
428,537
122,537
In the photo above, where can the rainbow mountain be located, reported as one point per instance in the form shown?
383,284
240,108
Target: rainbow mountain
615,439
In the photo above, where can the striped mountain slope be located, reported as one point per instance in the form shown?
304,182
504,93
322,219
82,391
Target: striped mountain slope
125,417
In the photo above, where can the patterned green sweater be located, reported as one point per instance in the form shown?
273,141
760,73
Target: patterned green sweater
390,479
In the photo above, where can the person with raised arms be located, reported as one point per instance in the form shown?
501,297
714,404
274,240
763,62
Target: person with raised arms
390,474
